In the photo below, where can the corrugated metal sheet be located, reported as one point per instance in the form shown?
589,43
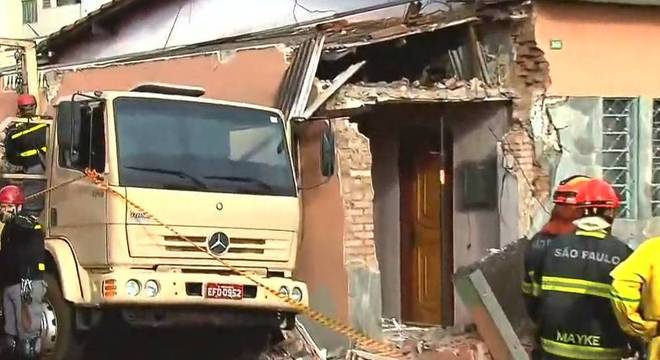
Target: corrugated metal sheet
299,78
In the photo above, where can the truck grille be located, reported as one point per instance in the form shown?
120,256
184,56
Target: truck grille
238,246
266,245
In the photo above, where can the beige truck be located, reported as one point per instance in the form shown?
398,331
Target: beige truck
217,172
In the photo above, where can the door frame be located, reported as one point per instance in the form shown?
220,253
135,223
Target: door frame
408,142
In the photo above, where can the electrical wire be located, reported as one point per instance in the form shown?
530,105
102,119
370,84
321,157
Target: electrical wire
176,18
325,181
297,4
522,171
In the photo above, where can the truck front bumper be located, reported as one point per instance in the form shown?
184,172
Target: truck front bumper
193,289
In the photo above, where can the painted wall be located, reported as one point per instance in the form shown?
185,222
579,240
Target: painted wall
243,75
608,50
49,19
321,253
384,142
10,19
475,231
10,27
579,120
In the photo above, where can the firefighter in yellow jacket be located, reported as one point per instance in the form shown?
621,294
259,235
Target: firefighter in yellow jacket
636,295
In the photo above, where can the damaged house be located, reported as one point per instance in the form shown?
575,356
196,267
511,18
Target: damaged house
452,126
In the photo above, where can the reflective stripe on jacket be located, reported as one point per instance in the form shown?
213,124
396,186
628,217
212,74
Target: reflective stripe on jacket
636,293
533,255
575,315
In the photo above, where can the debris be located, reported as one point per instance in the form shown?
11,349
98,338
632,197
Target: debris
427,342
360,94
297,344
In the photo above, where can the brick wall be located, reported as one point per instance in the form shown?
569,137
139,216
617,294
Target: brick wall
530,81
357,192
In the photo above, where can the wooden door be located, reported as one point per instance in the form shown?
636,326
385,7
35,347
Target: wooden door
426,250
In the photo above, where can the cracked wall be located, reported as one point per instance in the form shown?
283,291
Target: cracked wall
364,281
579,132
567,127
517,61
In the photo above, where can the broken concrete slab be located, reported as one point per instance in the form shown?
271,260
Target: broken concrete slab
504,271
490,319
357,95
365,300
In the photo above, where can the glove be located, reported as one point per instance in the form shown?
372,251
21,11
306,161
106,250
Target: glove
26,291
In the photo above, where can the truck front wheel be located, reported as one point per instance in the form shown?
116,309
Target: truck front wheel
60,340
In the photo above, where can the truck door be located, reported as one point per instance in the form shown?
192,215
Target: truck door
77,211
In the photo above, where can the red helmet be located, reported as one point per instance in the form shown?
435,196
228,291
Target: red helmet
568,189
26,100
12,194
597,193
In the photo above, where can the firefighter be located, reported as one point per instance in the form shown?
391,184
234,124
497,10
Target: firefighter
636,295
561,220
25,147
27,106
575,316
22,255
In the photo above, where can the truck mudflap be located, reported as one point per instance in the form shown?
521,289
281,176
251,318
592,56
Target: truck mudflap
138,287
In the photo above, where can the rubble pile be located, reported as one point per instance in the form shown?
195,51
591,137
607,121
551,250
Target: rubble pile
296,345
448,90
429,343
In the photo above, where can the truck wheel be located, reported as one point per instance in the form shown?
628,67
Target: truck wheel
60,340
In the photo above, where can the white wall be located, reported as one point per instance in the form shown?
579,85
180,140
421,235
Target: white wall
49,20
194,21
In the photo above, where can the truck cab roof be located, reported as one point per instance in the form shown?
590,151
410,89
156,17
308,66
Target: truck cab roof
169,92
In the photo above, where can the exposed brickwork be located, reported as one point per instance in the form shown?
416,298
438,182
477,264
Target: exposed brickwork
357,191
530,81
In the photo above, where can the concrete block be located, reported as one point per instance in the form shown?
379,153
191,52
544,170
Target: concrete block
365,300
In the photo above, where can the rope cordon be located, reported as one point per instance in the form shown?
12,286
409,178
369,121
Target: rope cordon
381,348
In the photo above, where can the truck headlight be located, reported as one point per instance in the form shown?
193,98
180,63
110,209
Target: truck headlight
132,287
296,294
151,288
284,291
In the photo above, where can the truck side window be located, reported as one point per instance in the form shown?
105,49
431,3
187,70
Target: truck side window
85,143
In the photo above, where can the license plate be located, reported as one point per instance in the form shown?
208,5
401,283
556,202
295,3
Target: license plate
224,291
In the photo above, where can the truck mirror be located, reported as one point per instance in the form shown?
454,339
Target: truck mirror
68,129
328,152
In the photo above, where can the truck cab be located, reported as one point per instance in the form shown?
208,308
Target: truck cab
212,180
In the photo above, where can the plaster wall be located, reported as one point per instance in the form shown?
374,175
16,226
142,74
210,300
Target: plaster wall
477,130
607,49
387,230
320,260
580,134
250,75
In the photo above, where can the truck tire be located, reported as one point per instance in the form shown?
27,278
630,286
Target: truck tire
65,343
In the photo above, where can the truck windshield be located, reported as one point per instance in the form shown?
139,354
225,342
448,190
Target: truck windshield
185,145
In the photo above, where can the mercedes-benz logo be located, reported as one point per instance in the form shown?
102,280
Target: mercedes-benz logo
218,243
219,206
